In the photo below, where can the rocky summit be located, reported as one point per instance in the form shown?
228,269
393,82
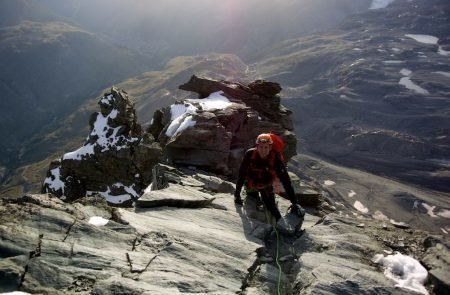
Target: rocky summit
213,131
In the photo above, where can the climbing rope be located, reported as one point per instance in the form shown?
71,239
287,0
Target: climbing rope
277,253
277,262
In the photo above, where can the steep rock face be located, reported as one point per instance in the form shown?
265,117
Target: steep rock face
214,131
115,161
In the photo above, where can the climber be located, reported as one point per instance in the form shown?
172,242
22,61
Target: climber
259,169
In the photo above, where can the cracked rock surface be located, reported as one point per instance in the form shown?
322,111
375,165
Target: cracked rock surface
48,246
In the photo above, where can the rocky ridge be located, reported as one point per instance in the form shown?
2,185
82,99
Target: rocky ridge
214,131
211,133
198,244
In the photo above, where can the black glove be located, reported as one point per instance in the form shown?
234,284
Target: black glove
237,198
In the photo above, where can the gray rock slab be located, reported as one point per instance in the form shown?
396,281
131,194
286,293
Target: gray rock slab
117,284
215,184
332,260
211,247
220,249
139,261
175,196
11,271
16,240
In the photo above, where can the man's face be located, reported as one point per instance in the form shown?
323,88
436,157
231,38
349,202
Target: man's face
263,149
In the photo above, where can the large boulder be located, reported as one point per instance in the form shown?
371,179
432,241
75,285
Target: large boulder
115,161
214,131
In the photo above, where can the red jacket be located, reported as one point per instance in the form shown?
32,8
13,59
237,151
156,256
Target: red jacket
260,173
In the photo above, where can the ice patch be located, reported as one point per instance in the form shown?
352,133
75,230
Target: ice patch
429,209
107,100
406,81
378,215
213,102
426,39
182,114
54,182
351,194
443,52
106,136
177,110
360,207
405,72
16,293
87,149
98,221
393,62
117,199
114,199
444,213
405,270
180,124
329,182
377,4
446,74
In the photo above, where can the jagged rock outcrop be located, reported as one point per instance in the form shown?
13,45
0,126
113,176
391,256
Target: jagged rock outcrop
115,161
226,120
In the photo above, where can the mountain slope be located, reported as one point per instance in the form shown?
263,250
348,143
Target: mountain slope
49,68
373,94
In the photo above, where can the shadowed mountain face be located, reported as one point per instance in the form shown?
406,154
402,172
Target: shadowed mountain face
374,94
49,68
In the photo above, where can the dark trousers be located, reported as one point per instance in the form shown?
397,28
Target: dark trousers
268,197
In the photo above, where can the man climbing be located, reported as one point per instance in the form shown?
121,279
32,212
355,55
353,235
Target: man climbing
259,169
